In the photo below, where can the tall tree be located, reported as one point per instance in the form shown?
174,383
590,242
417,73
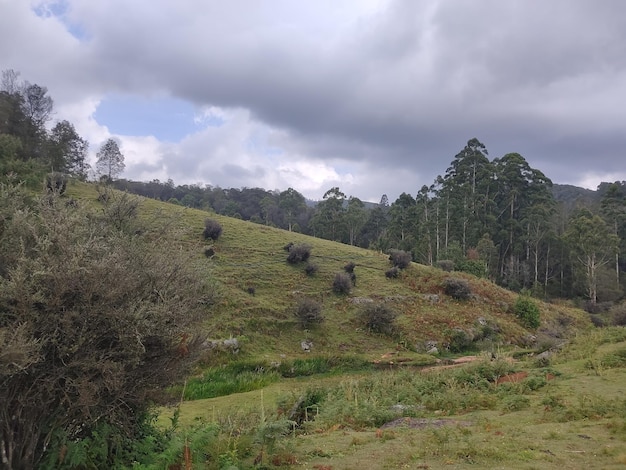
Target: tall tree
355,216
328,220
593,245
67,151
110,161
292,203
613,208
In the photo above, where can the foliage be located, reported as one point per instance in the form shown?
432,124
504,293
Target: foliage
527,311
212,229
400,259
349,268
475,267
308,312
342,283
90,319
446,265
392,273
457,288
310,269
378,318
299,253
110,161
56,182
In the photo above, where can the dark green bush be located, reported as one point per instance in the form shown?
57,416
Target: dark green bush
209,252
378,318
342,284
400,258
212,229
298,253
349,268
309,312
446,265
392,273
56,182
458,289
311,269
473,266
527,311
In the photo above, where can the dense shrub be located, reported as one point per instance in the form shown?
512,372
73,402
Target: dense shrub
378,318
308,312
618,314
298,253
288,246
212,229
342,284
400,258
392,273
349,268
458,289
56,182
473,266
446,265
209,252
311,269
527,311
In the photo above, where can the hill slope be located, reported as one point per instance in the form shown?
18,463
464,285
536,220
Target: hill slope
259,291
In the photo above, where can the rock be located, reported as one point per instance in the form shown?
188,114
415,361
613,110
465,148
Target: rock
433,351
306,345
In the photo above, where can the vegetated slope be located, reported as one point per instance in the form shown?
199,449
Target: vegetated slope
259,291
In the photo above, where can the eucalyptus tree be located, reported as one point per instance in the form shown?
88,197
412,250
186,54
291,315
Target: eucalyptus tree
520,190
355,217
467,184
328,221
292,203
426,228
613,209
593,245
403,221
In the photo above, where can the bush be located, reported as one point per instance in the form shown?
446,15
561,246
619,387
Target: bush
392,273
473,266
309,312
56,182
400,258
342,284
618,314
212,229
311,269
298,253
458,289
209,252
378,318
349,268
527,311
446,265
288,246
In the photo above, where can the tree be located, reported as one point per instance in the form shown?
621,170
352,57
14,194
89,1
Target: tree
292,203
67,150
110,161
328,219
593,245
355,217
613,208
93,326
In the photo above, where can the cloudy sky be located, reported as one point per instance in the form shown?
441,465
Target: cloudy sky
373,96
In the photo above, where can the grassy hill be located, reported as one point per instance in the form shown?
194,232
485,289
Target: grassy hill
347,404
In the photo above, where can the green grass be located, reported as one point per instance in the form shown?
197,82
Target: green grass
351,382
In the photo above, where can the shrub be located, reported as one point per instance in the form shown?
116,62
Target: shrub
212,229
209,252
349,268
458,289
311,269
342,284
392,273
473,266
618,314
288,246
378,318
298,253
251,290
400,258
56,182
308,312
527,311
446,265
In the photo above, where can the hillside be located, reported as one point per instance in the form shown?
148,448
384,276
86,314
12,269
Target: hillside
510,408
259,291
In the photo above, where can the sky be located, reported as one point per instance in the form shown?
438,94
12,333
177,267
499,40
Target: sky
371,96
